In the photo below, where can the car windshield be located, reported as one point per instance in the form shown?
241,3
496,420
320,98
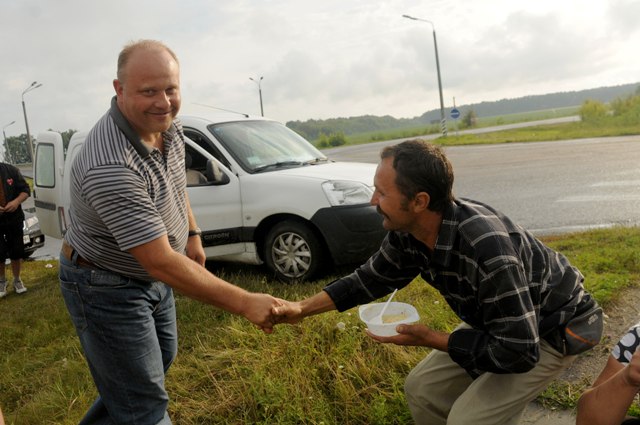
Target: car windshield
260,146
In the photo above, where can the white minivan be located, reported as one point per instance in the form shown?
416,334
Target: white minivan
260,193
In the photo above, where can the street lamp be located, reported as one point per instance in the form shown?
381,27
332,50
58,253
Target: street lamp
33,86
443,120
7,156
259,83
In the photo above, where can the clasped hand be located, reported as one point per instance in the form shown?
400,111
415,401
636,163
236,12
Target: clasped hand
266,311
9,208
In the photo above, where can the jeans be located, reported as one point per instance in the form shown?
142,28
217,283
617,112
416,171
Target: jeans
127,329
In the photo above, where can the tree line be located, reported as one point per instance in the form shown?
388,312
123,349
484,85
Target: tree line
314,129
16,148
624,111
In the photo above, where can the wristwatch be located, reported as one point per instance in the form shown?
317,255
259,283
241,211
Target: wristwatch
195,232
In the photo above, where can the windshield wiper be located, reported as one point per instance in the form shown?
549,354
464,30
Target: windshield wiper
315,161
276,165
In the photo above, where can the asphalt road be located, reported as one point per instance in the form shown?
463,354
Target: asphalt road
548,187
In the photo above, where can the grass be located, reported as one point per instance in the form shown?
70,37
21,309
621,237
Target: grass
550,132
228,372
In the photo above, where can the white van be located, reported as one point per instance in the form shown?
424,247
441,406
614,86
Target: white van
259,191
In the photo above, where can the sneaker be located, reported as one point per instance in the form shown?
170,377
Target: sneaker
3,288
19,287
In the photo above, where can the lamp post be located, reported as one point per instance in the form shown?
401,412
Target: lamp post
7,156
33,86
443,120
259,83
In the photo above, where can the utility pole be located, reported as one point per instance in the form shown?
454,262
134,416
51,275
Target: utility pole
7,154
33,86
443,120
259,83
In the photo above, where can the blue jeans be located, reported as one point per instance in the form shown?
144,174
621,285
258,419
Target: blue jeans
128,331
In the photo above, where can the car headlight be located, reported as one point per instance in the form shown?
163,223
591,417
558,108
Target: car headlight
30,222
345,192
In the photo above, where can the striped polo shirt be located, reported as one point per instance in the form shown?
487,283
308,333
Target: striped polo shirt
125,194
496,277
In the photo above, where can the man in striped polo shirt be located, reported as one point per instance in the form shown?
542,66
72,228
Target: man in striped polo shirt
513,294
130,227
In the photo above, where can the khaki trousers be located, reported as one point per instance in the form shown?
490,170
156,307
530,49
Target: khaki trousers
440,392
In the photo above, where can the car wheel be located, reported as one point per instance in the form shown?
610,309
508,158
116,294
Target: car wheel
293,252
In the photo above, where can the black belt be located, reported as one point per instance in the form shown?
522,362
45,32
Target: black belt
68,251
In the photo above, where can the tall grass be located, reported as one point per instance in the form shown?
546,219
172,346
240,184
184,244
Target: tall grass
228,372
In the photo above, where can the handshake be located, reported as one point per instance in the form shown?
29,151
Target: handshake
265,311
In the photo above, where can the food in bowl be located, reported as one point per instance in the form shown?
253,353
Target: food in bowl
396,314
392,318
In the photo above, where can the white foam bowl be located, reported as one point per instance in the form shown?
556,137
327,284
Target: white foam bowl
369,314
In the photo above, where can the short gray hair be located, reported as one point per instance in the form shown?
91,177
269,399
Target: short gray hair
127,50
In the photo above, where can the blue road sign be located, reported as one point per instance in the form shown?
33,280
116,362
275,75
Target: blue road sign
455,113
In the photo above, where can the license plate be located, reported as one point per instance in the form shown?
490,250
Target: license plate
26,239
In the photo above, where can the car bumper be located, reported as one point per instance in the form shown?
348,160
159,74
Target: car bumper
352,233
33,241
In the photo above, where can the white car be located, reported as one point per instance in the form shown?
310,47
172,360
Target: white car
31,234
259,191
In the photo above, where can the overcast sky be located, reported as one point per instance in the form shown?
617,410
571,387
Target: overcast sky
318,58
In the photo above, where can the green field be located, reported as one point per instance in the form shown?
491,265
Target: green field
621,126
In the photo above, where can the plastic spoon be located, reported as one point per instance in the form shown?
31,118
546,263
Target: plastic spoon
386,305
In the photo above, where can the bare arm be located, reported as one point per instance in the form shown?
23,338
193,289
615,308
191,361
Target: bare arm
607,401
293,312
194,243
194,281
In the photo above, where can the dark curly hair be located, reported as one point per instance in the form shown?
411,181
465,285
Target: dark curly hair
422,167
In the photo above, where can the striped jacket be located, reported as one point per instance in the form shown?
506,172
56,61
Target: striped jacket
498,278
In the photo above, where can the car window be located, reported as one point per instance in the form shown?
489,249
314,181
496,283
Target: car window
45,167
202,141
258,145
196,167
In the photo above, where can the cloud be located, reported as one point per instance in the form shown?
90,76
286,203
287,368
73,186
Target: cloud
318,59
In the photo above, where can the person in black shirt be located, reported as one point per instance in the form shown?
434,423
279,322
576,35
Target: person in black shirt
14,190
513,294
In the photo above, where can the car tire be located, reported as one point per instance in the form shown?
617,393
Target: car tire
293,252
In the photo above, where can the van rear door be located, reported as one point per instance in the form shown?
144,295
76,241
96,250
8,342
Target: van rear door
48,179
